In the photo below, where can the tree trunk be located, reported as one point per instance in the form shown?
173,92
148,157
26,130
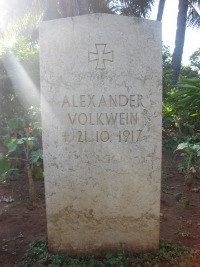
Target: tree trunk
69,8
160,10
52,11
84,7
179,42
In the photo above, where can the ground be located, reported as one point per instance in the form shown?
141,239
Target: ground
20,223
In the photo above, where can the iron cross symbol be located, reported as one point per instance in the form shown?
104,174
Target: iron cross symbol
100,56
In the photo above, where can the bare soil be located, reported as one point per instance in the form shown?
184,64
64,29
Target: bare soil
20,223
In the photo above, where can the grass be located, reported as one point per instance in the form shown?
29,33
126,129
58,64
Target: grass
169,254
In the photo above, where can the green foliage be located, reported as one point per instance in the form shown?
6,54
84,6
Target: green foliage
16,124
19,67
14,88
136,8
19,104
35,156
169,254
186,203
4,167
167,68
181,198
170,143
37,172
195,60
187,72
181,107
178,196
191,149
169,117
187,97
23,144
22,47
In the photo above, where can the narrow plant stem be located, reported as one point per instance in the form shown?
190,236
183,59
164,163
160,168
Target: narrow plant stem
25,151
32,191
13,158
25,146
189,162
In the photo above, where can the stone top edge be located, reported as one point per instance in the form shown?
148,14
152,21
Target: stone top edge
98,15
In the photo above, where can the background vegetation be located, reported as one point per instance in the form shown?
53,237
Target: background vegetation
20,126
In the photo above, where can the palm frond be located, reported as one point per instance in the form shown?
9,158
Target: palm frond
100,6
193,18
138,8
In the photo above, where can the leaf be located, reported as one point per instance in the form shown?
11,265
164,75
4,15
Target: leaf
4,165
195,147
37,172
29,143
182,146
31,138
12,145
20,141
16,124
111,258
197,137
6,139
36,155
186,203
178,196
40,153
185,99
188,150
109,255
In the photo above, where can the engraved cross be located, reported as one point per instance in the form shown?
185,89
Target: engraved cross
100,56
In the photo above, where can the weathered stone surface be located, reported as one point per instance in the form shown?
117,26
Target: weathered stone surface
101,119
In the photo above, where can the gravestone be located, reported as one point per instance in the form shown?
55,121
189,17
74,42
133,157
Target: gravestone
101,119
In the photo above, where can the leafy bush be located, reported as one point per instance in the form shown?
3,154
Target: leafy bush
181,107
23,145
187,97
191,149
19,71
169,254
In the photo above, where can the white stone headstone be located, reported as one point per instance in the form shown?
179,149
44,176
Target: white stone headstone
101,117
